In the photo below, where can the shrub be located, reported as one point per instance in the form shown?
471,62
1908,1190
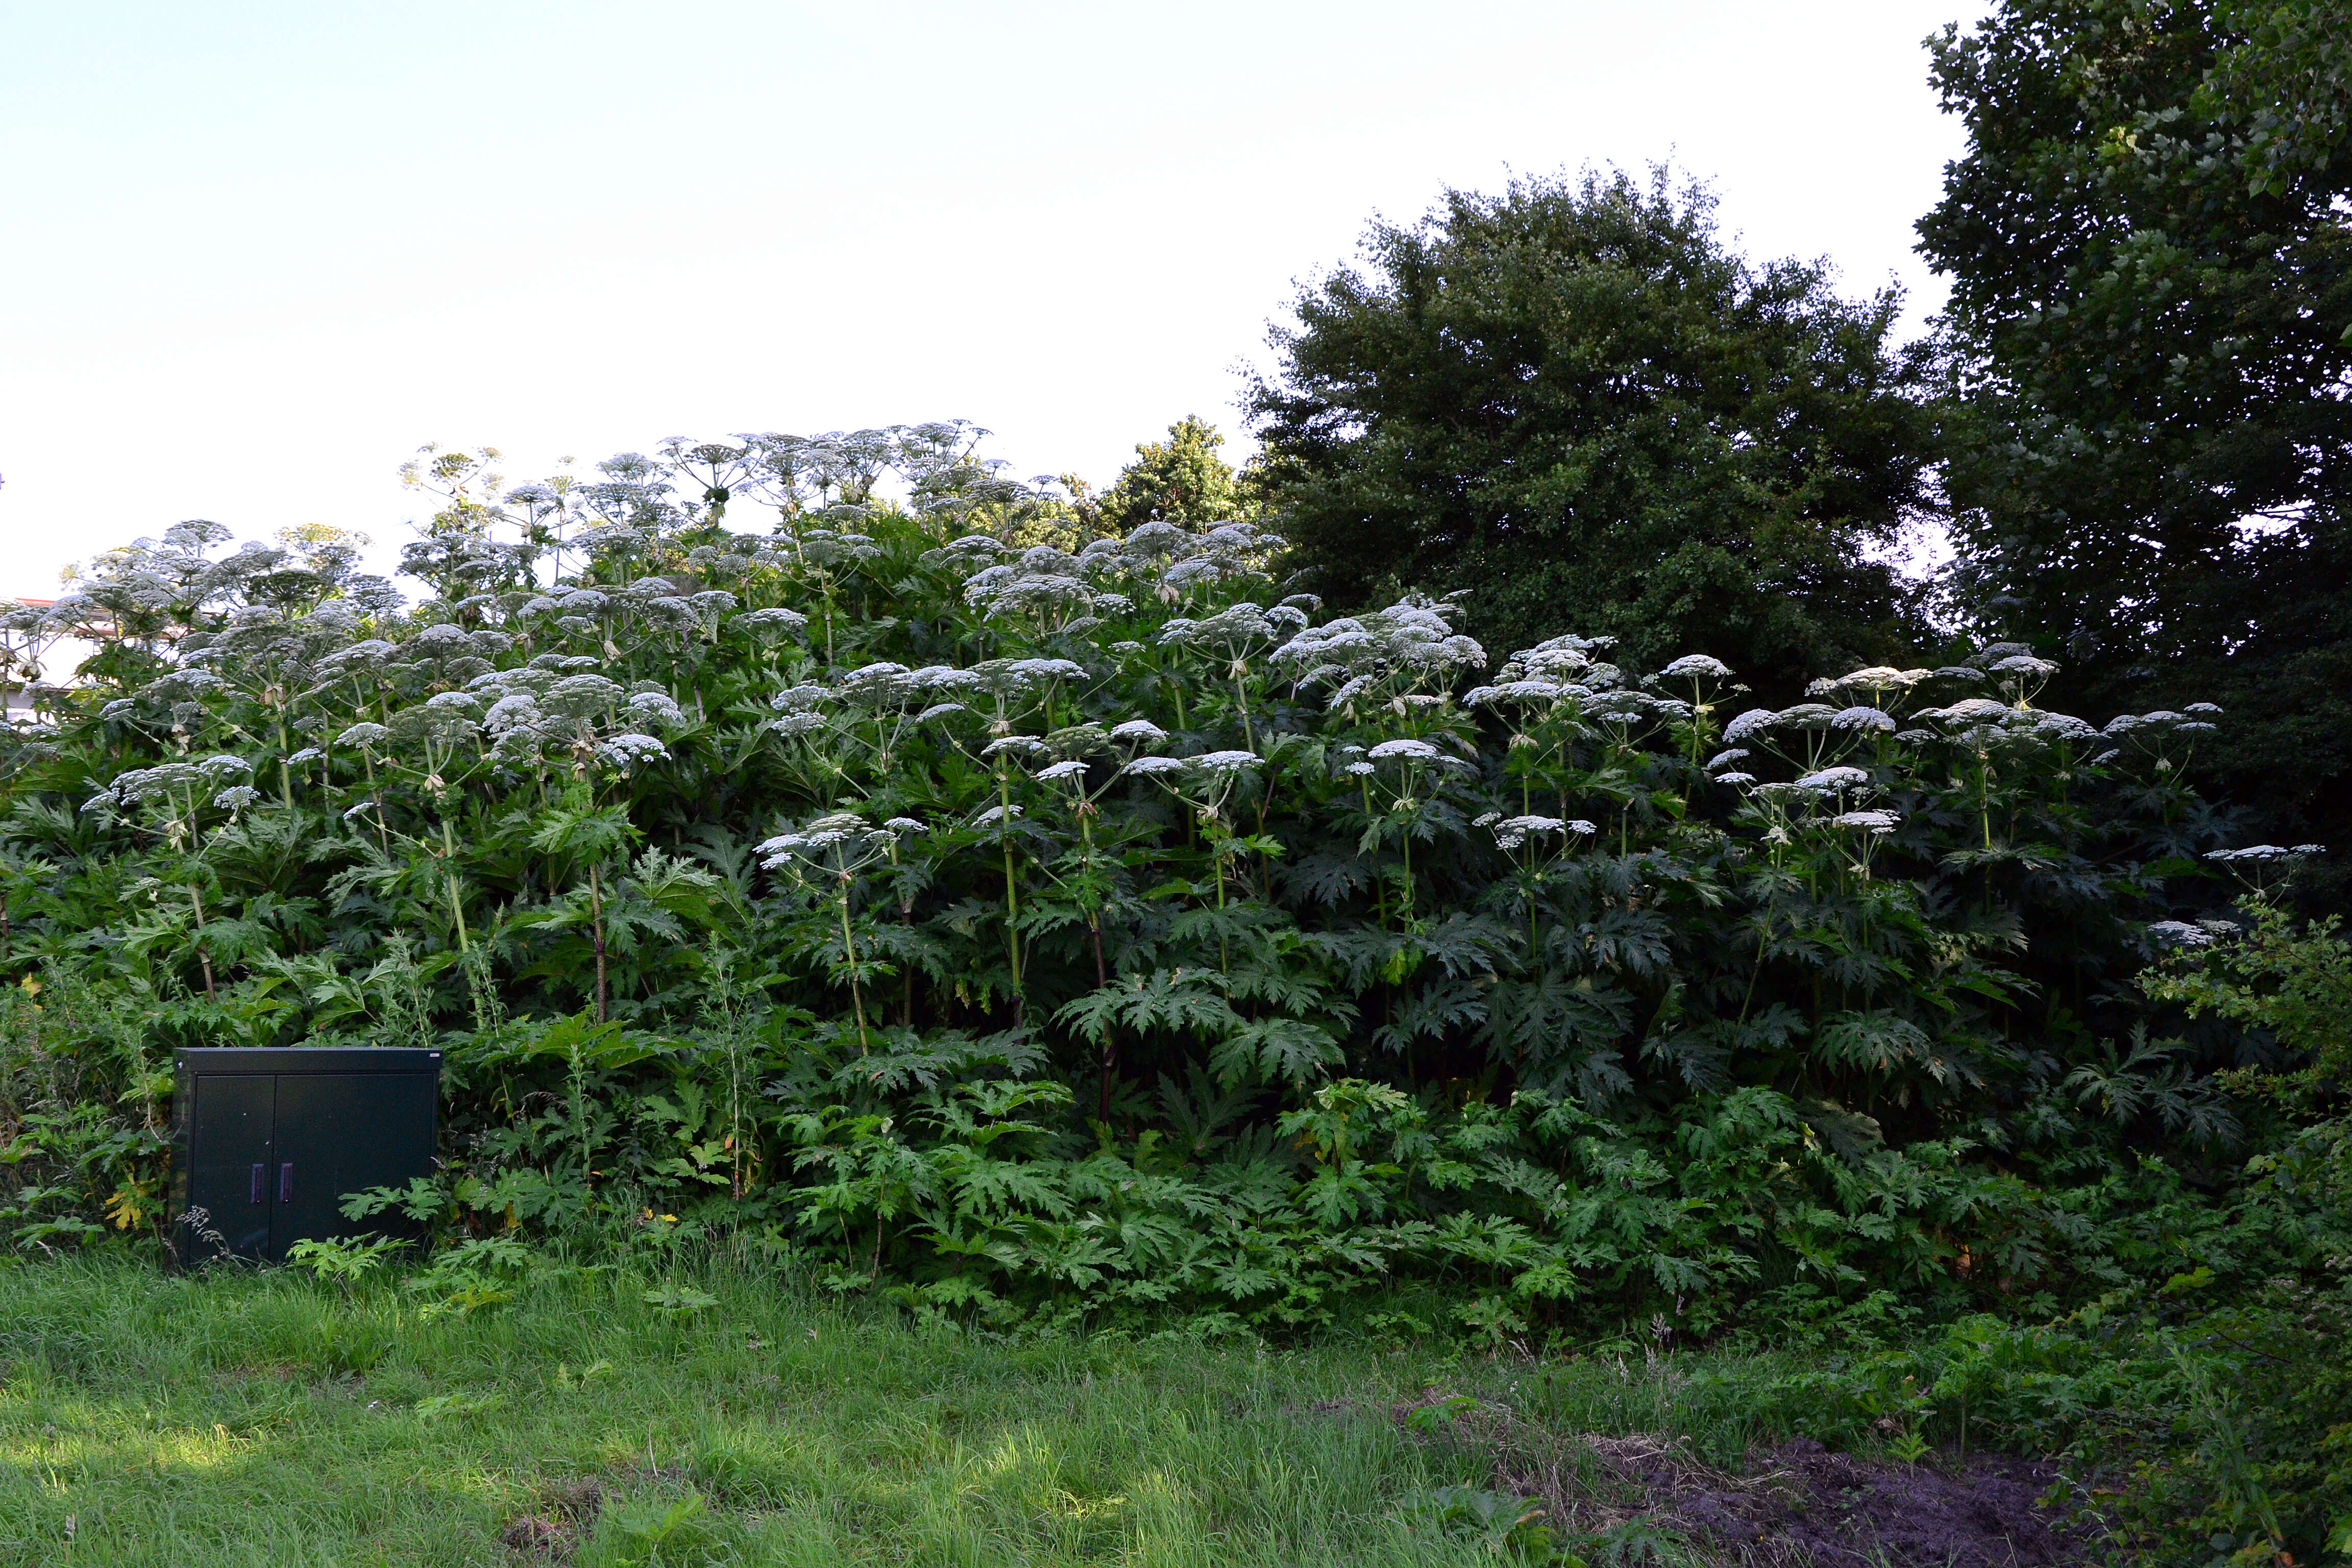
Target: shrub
1039,922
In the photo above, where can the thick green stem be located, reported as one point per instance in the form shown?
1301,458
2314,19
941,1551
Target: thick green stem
376,794
1406,833
204,957
596,927
1533,949
849,953
457,905
1110,1040
284,776
579,1117
1011,886
1224,958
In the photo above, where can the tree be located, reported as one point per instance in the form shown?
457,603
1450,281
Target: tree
1181,479
2151,321
1577,402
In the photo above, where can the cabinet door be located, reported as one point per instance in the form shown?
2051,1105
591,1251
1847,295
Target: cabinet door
230,1166
340,1132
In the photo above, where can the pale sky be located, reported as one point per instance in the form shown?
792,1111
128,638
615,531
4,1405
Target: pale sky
252,255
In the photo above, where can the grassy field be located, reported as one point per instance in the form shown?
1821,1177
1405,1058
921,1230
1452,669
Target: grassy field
247,1417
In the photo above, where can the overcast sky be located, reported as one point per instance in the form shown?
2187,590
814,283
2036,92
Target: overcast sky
252,255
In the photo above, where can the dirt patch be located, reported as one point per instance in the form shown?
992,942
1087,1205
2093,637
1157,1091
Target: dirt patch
1796,1503
1799,1503
567,1512
536,1535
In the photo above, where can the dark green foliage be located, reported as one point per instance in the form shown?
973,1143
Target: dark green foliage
1181,479
1076,935
1575,402
2206,1406
2152,314
2291,986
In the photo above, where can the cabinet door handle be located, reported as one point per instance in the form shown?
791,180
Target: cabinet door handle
257,1182
286,1183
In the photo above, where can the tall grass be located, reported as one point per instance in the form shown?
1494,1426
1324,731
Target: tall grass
243,1417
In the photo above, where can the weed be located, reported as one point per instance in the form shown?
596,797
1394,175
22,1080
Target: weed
342,1262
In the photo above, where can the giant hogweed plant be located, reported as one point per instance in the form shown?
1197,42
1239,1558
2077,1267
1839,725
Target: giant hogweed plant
1019,920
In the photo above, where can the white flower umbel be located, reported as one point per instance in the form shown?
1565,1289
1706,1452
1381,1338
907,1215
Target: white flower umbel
225,766
1377,660
629,751
1405,771
1234,637
772,623
1154,767
1513,832
2265,868
1869,826
1705,676
1967,711
2257,854
1878,677
1533,842
2021,675
1863,720
826,855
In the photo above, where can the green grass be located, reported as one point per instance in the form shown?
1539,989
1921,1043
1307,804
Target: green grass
261,1417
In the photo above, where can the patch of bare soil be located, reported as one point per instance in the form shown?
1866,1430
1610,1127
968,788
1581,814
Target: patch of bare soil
567,1512
1793,1504
536,1535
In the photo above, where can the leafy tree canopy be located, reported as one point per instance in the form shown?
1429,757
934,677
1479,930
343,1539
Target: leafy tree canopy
2152,315
1181,479
1575,400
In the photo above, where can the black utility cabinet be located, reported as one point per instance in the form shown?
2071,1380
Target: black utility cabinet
267,1143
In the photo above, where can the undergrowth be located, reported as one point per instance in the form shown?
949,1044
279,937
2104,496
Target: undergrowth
1039,932
716,1413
